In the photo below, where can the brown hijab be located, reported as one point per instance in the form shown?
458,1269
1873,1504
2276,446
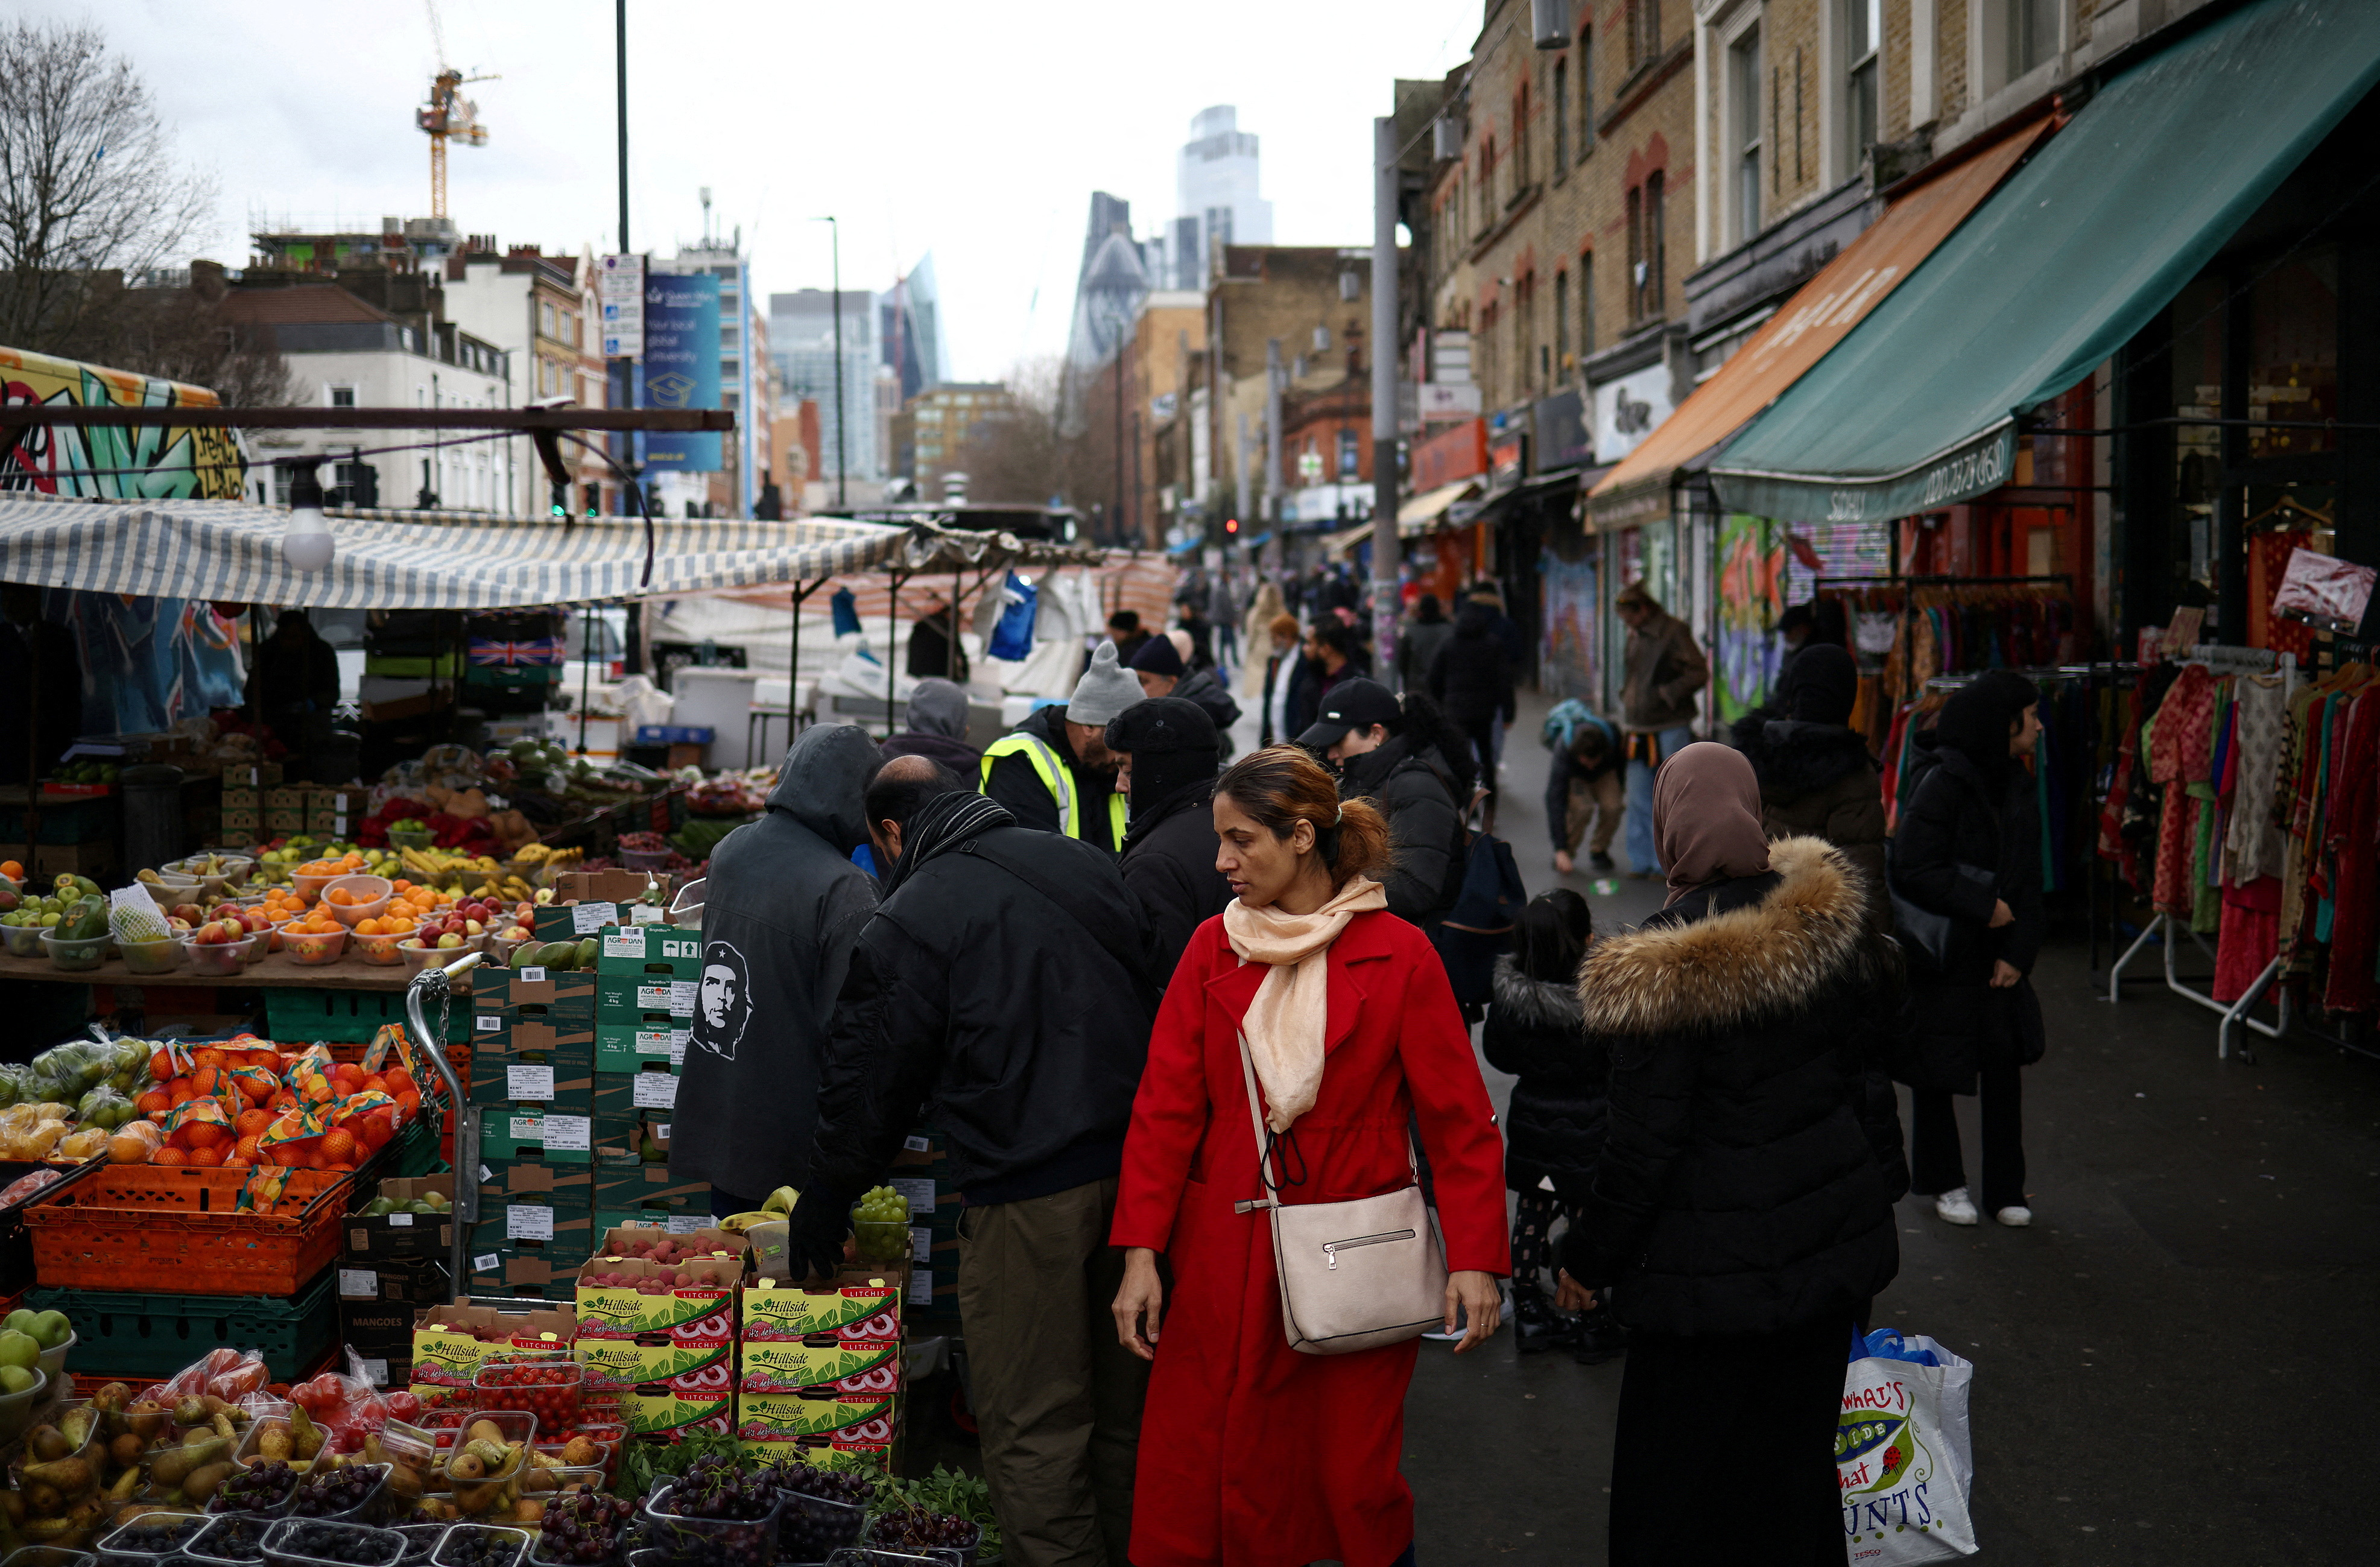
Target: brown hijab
1706,817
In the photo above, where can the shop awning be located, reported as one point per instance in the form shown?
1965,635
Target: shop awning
230,551
1422,512
1818,317
2076,252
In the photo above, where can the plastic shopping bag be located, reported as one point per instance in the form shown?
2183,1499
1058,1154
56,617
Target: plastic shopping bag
1902,1456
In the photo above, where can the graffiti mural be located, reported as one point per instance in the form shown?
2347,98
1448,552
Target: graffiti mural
1570,663
1751,596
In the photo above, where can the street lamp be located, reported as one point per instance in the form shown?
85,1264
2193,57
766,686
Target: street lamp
306,544
841,410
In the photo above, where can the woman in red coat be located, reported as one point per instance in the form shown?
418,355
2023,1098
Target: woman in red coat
1252,1453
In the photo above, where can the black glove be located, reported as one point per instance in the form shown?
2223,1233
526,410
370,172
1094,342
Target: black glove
814,1235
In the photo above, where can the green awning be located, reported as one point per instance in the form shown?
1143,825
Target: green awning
2078,250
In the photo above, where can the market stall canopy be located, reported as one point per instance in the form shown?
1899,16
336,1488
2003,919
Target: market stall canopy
230,551
1819,315
1918,406
1420,514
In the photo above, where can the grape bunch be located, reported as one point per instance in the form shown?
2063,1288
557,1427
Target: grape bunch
260,1489
477,1544
881,1205
583,1528
350,1543
420,1541
241,1535
154,1534
914,1528
720,1488
822,1508
329,1492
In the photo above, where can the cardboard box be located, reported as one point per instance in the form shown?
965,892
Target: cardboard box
631,1183
242,799
621,1138
253,775
625,1045
538,994
615,1312
859,1305
623,1095
411,1283
817,1412
535,1224
620,997
556,1082
404,1235
286,796
447,1348
381,1336
657,1409
533,1179
653,951
823,1452
523,1269
282,823
788,1365
242,825
527,1131
617,886
627,1363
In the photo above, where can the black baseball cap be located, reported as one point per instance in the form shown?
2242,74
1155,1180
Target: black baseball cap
1351,704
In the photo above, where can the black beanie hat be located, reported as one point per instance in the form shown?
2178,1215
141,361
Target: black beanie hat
1171,743
1975,719
1159,656
1826,684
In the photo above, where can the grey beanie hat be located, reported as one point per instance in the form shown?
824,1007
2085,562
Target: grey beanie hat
1105,689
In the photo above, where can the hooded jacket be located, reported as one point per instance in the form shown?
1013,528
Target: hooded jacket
1418,797
1472,677
783,906
1752,1158
1202,687
1554,1124
1817,781
1003,988
938,726
1169,867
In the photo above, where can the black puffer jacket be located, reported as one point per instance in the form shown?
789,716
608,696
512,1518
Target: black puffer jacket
1169,867
1949,819
1818,780
1001,1004
1417,797
1747,1180
1553,1128
1200,686
1472,677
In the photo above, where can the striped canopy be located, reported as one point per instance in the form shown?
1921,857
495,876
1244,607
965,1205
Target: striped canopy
230,551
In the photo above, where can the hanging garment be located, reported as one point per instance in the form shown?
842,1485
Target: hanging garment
2250,935
2356,856
2177,757
2252,836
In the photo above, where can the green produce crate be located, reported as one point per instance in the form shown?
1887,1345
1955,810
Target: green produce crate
124,1334
67,820
349,1017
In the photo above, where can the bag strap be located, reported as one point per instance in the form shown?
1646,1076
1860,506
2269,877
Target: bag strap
1264,1163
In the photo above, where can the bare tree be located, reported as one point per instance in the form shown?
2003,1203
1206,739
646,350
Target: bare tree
88,185
1019,457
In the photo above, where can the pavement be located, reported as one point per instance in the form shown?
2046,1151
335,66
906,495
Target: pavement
2169,1365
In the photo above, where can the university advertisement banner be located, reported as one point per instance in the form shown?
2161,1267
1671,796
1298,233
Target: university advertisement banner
682,368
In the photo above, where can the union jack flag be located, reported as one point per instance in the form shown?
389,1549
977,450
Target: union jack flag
542,650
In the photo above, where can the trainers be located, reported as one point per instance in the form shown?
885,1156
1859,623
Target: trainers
2016,1216
1957,1207
1600,861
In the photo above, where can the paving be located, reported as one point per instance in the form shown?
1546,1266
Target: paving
2171,1367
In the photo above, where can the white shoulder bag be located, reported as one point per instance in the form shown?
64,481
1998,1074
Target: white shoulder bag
1356,1274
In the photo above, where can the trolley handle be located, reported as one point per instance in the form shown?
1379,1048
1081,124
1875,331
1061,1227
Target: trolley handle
438,982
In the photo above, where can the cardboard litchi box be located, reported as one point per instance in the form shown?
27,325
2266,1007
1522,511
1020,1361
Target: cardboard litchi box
817,1412
449,1341
626,1364
786,1366
858,1305
656,1411
619,1308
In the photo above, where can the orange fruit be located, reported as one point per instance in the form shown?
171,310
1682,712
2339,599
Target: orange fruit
153,1101
251,1123
347,1169
245,1148
399,1079
161,1066
235,1163
203,1134
181,1093
206,1159
211,1056
367,927
284,1099
338,1145
408,1104
204,1084
169,1155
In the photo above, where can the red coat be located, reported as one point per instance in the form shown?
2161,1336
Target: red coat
1252,1453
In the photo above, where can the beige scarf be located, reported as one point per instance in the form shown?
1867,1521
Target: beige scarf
1287,1021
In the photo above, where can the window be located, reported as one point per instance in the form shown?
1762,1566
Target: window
1635,252
341,396
2032,34
1561,321
1350,455
1586,91
1744,109
1863,32
1524,329
1657,244
1521,140
545,320
1644,31
1585,304
1561,116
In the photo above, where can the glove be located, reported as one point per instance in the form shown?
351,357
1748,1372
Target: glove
814,1234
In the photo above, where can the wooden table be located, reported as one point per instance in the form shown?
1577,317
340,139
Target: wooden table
276,971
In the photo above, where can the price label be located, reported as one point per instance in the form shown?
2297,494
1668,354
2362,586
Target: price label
656,1043
399,1221
919,1193
527,1128
663,997
532,976
687,1224
623,943
526,1223
358,1283
587,918
646,914
375,1371
488,1174
915,1144
487,1023
529,1082
679,1040
486,1262
569,1132
921,1283
682,996
921,1243
655,1090
661,1131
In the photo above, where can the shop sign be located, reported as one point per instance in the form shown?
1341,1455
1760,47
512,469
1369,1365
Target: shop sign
1627,409
1564,439
1451,454
1507,460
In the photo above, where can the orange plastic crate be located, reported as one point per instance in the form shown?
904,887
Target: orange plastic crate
145,1227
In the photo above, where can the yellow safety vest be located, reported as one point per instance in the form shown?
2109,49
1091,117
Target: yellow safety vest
1056,778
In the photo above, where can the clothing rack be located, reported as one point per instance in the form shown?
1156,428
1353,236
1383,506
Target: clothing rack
1857,588
2219,660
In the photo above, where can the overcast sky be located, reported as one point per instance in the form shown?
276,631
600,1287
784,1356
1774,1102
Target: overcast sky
975,132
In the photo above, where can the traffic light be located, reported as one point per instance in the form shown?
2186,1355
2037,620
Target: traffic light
1231,528
594,499
560,501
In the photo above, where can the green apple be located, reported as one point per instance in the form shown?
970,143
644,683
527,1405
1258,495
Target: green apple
17,1380
20,1349
20,1321
53,1328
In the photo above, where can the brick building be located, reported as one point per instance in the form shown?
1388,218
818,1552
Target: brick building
1305,310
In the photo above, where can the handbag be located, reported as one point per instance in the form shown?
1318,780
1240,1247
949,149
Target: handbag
1925,936
1904,1455
1356,1274
1488,897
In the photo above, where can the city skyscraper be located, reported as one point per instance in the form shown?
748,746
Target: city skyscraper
909,323
1216,189
801,346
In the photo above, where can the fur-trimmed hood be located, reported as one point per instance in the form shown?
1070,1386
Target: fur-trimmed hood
1534,1003
1740,964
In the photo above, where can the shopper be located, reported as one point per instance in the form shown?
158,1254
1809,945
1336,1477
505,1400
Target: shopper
1969,846
1742,1208
930,652
1271,1456
938,726
1817,778
1126,632
1256,626
1553,1123
1472,681
1416,772
1584,783
1332,654
1000,991
1665,668
1054,773
1163,672
1169,757
1284,672
1418,642
783,906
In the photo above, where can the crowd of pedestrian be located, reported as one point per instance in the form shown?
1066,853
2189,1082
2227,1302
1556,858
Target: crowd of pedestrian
1097,951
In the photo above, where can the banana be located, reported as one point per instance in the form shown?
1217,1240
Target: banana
781,1202
738,1223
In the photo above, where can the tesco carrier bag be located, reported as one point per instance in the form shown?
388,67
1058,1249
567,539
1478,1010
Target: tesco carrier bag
1903,1459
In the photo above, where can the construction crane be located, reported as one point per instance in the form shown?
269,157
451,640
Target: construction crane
448,115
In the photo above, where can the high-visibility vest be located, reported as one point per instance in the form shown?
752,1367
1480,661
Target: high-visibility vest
1056,778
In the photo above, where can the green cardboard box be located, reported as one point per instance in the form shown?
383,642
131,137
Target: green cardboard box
624,1045
513,1132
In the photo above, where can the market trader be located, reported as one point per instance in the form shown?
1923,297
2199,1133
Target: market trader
1002,990
1054,771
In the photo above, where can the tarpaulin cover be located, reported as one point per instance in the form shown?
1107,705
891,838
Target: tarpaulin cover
2073,257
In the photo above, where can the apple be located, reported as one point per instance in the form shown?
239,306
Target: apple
17,1380
53,1328
177,925
449,940
20,1321
20,1349
473,927
190,912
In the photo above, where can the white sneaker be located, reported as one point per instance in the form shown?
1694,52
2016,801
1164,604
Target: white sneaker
2015,1218
1955,1207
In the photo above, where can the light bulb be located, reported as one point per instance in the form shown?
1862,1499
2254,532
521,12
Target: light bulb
307,544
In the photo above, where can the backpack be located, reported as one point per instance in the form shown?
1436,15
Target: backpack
1488,898
1561,724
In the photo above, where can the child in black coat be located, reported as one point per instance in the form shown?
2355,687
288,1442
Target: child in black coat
1553,1127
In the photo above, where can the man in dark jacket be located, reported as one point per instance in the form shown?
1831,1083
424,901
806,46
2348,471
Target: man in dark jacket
1817,777
930,654
1583,780
1362,730
1126,632
1054,771
938,726
1472,680
783,906
1161,673
1665,669
1332,655
1002,987
1170,761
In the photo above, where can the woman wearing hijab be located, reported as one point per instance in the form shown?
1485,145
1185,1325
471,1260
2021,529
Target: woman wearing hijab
1269,1457
1740,1211
1969,846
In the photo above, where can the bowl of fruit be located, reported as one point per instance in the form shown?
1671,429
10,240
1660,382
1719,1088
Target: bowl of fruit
76,954
584,1529
222,947
313,939
717,1511
880,1226
549,1389
354,899
310,878
306,1542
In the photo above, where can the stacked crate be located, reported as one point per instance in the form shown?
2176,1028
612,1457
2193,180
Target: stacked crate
647,980
532,1078
390,1267
670,1357
921,1172
818,1371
